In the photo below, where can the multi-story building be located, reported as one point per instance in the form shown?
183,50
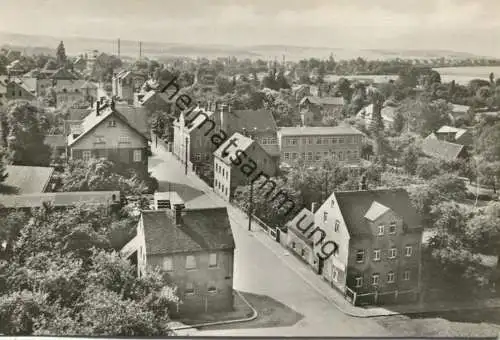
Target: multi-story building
194,247
314,144
232,161
125,83
375,239
14,89
110,132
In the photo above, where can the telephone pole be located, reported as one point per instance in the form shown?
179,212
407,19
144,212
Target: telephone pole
250,207
118,47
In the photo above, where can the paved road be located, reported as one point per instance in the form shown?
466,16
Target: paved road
298,309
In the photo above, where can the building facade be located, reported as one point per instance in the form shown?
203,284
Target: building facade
315,144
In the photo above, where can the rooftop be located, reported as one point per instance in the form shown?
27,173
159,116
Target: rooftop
441,149
243,143
26,179
59,199
200,230
259,120
319,130
323,100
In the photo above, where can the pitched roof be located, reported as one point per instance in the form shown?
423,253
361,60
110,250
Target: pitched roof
319,130
260,120
199,119
354,205
76,84
55,141
201,230
136,117
26,179
450,129
59,199
304,218
460,108
63,73
323,100
243,143
376,210
441,149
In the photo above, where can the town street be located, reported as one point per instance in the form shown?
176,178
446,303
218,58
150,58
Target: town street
259,270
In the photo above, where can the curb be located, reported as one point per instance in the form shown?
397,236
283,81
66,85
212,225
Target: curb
254,316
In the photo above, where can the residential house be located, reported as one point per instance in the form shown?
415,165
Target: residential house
80,64
125,83
455,135
443,150
14,89
194,247
300,91
459,111
376,238
23,180
60,200
298,242
314,144
15,68
153,101
388,113
110,132
323,105
232,160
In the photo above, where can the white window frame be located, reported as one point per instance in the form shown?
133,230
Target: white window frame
86,155
359,282
406,275
337,224
124,140
137,156
210,262
211,284
310,156
408,251
325,216
392,225
197,157
112,123
168,264
393,252
375,279
287,156
376,254
100,140
190,291
391,277
381,230
190,265
362,253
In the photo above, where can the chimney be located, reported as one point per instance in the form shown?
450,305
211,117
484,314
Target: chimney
177,214
102,100
97,108
313,207
112,104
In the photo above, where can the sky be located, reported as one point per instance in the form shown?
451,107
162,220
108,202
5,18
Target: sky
458,25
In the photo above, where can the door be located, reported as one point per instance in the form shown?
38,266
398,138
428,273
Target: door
278,232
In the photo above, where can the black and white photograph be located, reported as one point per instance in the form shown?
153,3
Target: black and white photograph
254,168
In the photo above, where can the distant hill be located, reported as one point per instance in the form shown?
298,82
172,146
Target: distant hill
76,45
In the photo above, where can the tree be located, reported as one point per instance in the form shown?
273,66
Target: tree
223,85
488,142
410,160
25,141
61,55
399,122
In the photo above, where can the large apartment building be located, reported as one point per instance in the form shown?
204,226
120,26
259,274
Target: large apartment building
314,144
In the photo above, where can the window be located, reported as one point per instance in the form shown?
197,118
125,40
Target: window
392,228
287,155
326,141
125,139
334,140
293,245
325,154
112,123
197,157
380,230
335,274
406,275
341,156
348,154
137,155
295,155
375,279
303,252
325,216
190,262
360,256
359,281
86,155
376,255
318,140
212,260
408,251
318,156
167,264
293,141
309,156
337,225
309,140
212,288
189,288
340,140
332,203
99,140
392,253
390,277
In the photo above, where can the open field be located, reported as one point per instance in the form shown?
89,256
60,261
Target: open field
462,75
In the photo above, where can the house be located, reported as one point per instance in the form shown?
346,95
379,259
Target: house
14,89
153,101
26,180
314,144
80,64
455,135
440,149
194,247
60,200
301,91
459,111
15,68
376,240
125,83
325,105
298,242
110,132
388,113
237,161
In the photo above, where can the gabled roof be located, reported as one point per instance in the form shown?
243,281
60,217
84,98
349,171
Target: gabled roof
201,230
259,120
92,120
63,73
304,218
136,116
199,119
319,130
441,149
243,143
26,179
59,199
354,206
323,100
450,129
376,210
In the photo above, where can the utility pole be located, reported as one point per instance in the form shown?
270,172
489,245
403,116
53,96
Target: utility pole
250,207
118,48
140,50
186,157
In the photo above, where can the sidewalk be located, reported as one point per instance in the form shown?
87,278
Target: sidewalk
321,286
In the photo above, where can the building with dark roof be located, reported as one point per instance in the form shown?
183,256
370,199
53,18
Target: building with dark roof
455,135
378,236
26,180
195,248
441,149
